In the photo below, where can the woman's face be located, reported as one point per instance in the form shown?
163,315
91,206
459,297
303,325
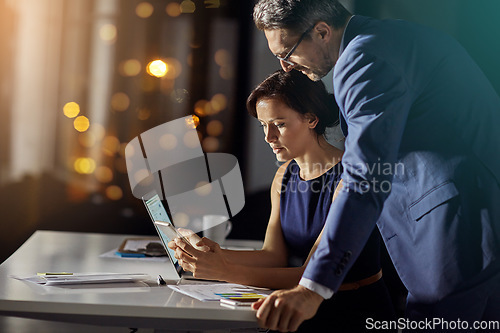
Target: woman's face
288,132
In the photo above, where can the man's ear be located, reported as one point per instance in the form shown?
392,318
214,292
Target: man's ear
322,31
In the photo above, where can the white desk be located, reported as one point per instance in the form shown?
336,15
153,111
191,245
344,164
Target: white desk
128,305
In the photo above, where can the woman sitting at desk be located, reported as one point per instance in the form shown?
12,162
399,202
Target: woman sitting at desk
294,112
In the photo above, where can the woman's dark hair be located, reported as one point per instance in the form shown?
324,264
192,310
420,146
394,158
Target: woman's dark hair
299,93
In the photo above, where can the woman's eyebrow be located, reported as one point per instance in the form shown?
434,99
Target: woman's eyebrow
270,120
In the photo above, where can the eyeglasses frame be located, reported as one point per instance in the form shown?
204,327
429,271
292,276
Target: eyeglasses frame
289,54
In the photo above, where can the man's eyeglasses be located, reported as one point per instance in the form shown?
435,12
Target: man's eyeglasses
289,54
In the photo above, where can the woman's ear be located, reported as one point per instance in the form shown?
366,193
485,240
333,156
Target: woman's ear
312,120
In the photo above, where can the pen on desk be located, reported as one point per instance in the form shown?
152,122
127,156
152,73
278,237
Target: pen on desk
161,282
53,273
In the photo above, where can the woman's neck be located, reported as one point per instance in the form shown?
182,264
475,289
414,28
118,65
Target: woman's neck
318,159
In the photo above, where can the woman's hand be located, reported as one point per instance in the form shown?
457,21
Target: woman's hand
208,264
192,238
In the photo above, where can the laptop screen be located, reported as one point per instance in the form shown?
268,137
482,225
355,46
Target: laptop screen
158,213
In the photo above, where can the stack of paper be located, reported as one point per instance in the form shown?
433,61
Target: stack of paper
83,278
218,291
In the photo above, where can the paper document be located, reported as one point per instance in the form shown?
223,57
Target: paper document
218,291
83,278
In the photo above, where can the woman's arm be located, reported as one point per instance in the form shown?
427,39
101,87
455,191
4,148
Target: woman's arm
209,265
274,252
269,277
212,265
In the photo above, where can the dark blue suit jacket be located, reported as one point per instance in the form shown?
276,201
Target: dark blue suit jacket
422,160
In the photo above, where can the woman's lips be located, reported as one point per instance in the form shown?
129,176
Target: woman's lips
277,150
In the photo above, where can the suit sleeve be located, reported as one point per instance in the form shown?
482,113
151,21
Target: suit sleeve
374,100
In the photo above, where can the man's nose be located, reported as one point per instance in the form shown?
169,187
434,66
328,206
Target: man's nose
286,66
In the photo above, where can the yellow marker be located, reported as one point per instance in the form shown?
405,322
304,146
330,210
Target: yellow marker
54,273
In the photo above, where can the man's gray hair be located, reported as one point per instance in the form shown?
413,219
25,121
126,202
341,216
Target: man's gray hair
298,15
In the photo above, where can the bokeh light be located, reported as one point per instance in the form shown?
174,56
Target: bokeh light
143,114
84,165
181,220
98,131
174,68
71,109
203,108
157,68
130,67
203,188
144,9
87,139
114,192
188,6
81,123
108,33
120,101
110,145
173,9
218,102
168,141
222,57
226,72
103,174
210,144
192,122
214,128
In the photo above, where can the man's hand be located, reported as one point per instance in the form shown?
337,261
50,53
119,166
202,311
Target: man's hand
285,310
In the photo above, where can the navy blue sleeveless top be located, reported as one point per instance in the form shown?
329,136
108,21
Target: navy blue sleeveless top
304,206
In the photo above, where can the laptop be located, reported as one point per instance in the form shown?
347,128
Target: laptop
157,212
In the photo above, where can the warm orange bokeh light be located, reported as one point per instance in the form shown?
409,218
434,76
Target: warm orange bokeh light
210,144
174,68
192,122
157,68
203,108
130,67
215,128
218,102
114,192
81,123
110,145
120,101
144,10
71,109
84,165
104,174
173,9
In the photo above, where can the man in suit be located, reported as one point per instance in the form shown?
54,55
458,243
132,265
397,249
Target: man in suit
422,162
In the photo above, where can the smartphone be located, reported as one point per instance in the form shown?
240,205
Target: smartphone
239,301
169,230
